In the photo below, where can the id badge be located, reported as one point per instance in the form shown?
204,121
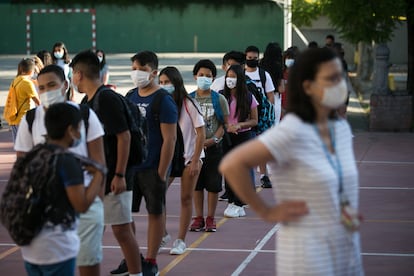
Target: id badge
350,217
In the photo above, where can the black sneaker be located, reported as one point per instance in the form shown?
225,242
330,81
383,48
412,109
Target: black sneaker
121,270
266,182
224,197
149,269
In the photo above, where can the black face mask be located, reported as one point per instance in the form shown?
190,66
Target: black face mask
252,63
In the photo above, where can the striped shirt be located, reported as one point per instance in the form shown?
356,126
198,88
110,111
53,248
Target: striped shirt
317,244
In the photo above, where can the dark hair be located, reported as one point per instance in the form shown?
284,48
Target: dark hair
65,57
146,58
313,44
330,37
55,69
25,66
180,93
272,62
305,68
59,117
290,53
205,63
252,48
239,57
243,96
88,63
101,64
45,56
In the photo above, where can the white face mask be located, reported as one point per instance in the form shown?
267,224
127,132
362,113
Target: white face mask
51,97
169,87
100,59
82,139
58,55
74,86
289,62
140,78
231,82
335,96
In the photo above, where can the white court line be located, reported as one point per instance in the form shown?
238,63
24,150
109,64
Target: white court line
249,258
386,162
386,188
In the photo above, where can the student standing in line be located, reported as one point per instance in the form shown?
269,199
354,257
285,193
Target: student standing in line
52,89
60,57
243,116
118,189
313,162
103,67
23,90
253,72
215,112
229,58
150,181
191,123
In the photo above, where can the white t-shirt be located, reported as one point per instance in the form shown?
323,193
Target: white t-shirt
54,245
218,84
189,120
302,171
254,76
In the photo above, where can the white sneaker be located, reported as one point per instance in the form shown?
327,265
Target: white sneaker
234,211
166,239
241,211
178,247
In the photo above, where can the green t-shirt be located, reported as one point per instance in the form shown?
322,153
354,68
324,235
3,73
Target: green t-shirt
207,110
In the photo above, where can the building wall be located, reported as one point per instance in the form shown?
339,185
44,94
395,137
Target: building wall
129,29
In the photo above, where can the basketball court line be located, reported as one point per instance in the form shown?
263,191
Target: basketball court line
386,162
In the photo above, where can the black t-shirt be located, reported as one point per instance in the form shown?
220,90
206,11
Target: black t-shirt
111,112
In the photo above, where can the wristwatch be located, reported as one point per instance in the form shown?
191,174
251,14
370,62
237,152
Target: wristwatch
120,175
216,140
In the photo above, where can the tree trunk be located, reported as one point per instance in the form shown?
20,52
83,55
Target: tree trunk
410,40
365,61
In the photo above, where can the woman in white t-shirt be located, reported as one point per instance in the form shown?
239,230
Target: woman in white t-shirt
191,123
313,164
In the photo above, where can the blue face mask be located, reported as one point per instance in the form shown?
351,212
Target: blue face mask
169,87
204,83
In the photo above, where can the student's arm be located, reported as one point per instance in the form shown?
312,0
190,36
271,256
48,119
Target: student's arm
271,96
236,166
96,153
80,197
169,136
105,77
195,164
36,100
118,184
251,122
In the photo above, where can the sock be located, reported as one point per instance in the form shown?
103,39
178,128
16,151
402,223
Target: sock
151,261
135,274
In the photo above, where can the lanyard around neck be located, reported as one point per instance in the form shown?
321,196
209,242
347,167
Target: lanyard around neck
336,166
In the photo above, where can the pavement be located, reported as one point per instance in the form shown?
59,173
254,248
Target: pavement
246,246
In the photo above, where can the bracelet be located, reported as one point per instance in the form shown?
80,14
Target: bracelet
120,175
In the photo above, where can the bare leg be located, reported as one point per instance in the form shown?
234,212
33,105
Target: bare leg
129,246
212,199
156,228
93,270
198,203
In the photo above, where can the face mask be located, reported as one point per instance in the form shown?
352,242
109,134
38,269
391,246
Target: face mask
74,86
252,63
77,141
231,82
51,97
100,59
289,62
169,87
335,96
58,55
204,83
140,78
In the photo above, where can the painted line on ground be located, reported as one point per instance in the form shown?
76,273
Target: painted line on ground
195,244
9,252
253,254
386,188
386,162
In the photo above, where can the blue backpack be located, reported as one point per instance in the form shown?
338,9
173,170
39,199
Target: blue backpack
215,96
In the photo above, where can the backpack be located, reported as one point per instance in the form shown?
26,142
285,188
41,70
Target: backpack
265,109
31,197
137,124
178,161
84,109
11,111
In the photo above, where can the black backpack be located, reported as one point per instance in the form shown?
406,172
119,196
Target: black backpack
177,162
265,109
138,150
32,197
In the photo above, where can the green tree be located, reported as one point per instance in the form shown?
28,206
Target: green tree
362,21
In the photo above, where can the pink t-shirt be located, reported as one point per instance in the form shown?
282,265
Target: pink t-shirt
232,107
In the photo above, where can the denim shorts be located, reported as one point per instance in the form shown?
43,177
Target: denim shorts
149,185
65,268
90,231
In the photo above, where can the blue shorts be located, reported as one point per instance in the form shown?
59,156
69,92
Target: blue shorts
65,268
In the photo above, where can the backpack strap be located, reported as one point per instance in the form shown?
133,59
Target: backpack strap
215,98
262,76
156,104
30,116
84,109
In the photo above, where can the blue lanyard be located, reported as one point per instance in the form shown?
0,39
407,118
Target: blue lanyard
337,167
